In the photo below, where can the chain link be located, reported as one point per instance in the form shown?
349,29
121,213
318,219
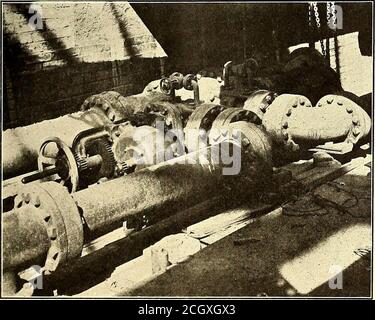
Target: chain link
328,12
314,5
316,13
333,12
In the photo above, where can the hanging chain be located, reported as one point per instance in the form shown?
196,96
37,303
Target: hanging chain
317,20
330,11
316,13
331,15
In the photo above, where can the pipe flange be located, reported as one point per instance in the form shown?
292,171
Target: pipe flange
277,118
168,113
111,103
359,123
287,138
61,218
232,115
256,157
259,101
254,137
226,117
199,123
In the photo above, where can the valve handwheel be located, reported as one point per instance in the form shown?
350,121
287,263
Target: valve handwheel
166,86
62,163
187,81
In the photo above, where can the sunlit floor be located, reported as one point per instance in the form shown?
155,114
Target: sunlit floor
306,249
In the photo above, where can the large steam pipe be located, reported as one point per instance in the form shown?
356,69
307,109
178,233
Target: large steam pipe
21,145
296,125
54,229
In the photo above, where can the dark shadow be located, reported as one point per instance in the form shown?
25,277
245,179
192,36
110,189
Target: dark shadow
14,49
55,44
124,31
366,104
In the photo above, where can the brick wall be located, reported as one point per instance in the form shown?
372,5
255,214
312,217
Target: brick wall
81,49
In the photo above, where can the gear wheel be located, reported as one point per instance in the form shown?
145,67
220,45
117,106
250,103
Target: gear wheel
82,163
103,148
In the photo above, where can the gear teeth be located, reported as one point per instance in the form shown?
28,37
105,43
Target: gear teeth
113,161
124,168
81,162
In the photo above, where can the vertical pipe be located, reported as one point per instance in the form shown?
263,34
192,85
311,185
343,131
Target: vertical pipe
328,53
337,56
162,67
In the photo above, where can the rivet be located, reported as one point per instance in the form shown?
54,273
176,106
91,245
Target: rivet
294,105
349,109
355,121
319,105
356,131
245,142
289,112
236,134
202,133
37,202
286,135
302,102
329,101
285,125
339,103
216,137
27,198
295,147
